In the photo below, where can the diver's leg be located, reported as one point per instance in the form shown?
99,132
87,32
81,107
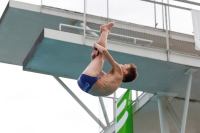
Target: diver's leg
105,29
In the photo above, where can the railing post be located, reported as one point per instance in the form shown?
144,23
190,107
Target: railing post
41,6
167,34
163,16
137,101
155,14
60,26
84,20
108,10
114,106
134,41
169,17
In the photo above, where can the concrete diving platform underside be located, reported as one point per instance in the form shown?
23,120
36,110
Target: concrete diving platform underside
63,54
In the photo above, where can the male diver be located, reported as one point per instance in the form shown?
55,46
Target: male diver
109,82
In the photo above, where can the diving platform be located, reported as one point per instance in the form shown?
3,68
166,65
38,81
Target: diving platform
64,54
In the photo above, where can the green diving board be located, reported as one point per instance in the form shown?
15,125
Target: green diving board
67,59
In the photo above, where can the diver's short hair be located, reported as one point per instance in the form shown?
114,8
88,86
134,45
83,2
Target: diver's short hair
131,75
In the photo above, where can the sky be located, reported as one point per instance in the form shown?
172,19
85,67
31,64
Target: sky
37,103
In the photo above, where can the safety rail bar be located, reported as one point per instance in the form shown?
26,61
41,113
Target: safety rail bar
118,35
170,5
70,26
92,30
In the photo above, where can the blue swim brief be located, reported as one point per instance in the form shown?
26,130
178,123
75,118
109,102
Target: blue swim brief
86,82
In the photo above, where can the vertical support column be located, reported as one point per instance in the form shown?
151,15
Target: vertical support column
84,20
187,98
173,115
104,110
162,114
167,34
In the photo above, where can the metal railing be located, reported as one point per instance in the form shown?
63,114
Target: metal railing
81,29
170,44
168,26
109,12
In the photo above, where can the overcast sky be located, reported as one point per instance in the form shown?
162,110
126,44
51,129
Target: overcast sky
36,103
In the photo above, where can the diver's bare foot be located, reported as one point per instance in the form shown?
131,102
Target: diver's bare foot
107,26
